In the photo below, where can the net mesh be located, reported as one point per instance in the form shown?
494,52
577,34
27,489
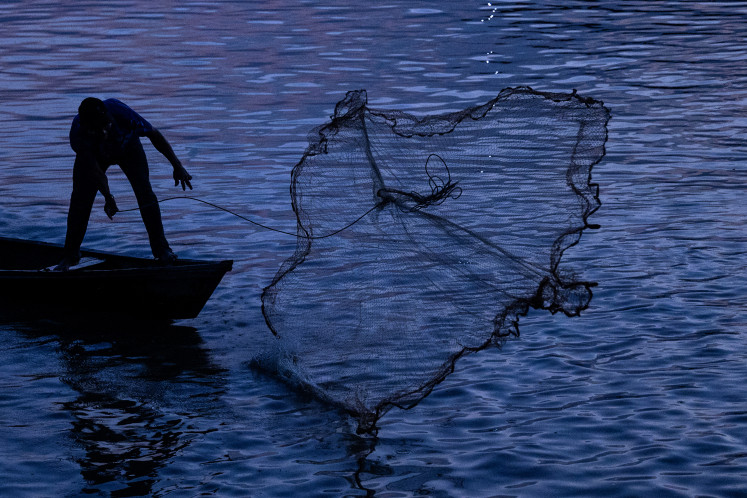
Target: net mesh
446,229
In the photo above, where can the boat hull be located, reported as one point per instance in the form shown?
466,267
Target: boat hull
113,284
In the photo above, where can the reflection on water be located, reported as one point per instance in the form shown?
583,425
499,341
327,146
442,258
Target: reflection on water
125,444
139,386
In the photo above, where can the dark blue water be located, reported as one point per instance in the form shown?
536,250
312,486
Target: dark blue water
642,395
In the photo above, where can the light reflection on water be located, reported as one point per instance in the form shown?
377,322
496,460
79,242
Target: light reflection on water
642,394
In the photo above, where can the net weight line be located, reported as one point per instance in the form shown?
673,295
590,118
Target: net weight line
440,190
249,220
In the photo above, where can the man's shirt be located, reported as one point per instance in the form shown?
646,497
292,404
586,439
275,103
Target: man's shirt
127,126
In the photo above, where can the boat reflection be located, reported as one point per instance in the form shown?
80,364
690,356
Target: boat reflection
141,389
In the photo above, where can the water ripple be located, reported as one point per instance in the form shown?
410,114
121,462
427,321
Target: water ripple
641,395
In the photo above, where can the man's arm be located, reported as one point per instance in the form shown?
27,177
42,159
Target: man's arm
162,145
93,170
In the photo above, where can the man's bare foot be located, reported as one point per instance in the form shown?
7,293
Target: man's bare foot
166,258
66,263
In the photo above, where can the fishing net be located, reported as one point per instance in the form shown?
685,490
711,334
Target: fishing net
421,239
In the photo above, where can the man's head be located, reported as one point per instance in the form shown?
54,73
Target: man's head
93,116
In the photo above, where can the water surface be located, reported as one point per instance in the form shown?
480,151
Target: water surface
643,394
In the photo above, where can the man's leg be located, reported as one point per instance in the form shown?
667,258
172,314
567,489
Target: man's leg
134,164
81,202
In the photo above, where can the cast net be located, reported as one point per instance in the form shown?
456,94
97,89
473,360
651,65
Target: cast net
421,239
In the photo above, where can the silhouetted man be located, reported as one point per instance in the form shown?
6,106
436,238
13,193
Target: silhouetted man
107,133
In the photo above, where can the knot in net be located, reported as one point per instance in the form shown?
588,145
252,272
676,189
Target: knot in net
448,228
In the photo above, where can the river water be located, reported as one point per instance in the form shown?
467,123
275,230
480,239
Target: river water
642,395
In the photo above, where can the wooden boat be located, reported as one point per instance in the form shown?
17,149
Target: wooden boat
102,283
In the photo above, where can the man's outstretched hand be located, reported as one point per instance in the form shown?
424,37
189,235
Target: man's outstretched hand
181,175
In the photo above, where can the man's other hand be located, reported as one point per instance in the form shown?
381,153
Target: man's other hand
110,208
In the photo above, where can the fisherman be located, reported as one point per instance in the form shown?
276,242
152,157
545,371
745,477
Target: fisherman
102,134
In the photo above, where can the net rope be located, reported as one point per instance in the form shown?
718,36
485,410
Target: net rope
448,228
